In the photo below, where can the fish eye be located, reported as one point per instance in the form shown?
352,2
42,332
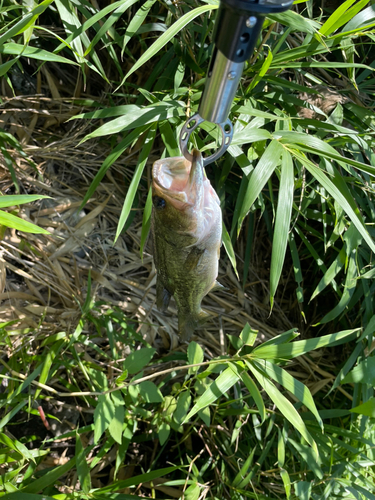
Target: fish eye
158,202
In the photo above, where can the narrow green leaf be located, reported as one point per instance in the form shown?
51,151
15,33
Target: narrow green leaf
130,195
331,272
25,22
83,471
50,478
48,358
136,22
19,199
146,222
10,220
255,394
347,204
244,469
217,388
140,117
107,25
296,266
111,158
367,408
229,248
263,70
136,480
299,390
288,351
259,177
306,453
282,222
284,405
33,52
363,373
168,35
349,289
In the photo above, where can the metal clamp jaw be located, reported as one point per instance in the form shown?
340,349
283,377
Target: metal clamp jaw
237,27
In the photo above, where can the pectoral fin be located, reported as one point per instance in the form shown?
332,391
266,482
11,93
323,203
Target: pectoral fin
192,260
163,296
217,286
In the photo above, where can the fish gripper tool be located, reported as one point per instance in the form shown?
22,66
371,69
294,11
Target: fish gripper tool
237,28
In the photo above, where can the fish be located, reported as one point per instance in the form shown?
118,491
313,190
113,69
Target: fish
186,226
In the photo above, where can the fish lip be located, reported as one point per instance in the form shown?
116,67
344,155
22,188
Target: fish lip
166,172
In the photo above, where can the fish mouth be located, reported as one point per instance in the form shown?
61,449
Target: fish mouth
178,179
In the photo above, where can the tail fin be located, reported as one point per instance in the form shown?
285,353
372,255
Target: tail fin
188,323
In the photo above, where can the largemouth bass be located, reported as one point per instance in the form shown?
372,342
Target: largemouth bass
186,228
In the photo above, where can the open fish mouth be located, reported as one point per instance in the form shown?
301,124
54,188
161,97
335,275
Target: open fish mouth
178,179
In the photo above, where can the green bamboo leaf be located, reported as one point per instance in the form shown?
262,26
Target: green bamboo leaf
263,70
282,222
341,16
107,25
311,144
299,390
284,405
168,35
33,52
10,200
48,357
146,222
331,272
367,408
332,186
349,289
136,480
136,22
18,495
88,24
244,470
259,177
169,139
255,394
314,64
50,478
217,388
287,484
296,266
363,20
10,220
130,195
229,248
139,117
83,471
294,349
309,457
26,21
296,22
363,373
5,67
111,158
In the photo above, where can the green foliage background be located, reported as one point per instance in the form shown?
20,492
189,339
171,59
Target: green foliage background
310,178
